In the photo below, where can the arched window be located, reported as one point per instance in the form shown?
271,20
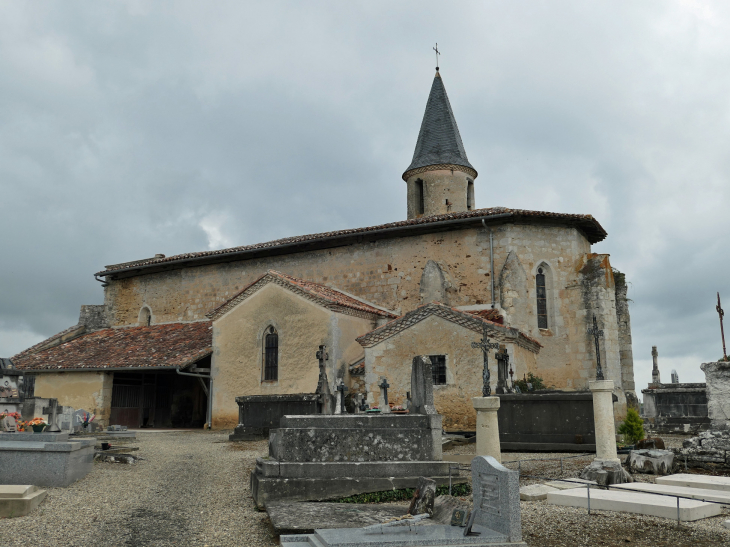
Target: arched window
420,198
271,354
145,317
542,313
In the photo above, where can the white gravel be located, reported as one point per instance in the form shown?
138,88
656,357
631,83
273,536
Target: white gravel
192,488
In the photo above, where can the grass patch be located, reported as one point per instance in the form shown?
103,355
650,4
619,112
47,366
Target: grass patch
404,494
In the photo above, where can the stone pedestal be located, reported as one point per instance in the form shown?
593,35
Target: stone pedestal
488,427
603,420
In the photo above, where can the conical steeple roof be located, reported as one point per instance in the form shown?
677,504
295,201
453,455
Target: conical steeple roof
439,142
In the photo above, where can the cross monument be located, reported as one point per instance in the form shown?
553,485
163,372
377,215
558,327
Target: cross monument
597,333
485,345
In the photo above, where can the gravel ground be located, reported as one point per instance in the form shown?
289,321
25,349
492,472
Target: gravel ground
191,488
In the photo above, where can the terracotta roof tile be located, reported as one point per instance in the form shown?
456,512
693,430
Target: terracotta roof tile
590,227
330,298
489,314
167,345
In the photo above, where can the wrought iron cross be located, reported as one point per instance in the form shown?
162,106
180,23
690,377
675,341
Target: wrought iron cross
342,388
384,385
503,364
721,313
485,345
436,49
597,333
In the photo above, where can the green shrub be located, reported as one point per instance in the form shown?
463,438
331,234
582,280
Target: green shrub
633,426
536,381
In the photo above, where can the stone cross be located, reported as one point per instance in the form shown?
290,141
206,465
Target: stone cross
422,386
597,333
323,387
384,385
655,376
485,345
502,358
341,390
52,410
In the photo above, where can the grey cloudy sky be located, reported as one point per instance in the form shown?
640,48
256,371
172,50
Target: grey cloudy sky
134,128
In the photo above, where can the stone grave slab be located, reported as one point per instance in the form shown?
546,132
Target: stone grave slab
415,536
694,493
636,502
19,500
55,463
696,481
570,484
535,492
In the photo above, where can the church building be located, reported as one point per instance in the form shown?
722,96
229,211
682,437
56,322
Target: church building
178,338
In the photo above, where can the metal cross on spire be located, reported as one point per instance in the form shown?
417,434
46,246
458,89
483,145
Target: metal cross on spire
597,333
436,49
721,313
485,345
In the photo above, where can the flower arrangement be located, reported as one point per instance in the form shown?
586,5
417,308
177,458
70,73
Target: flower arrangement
37,421
87,418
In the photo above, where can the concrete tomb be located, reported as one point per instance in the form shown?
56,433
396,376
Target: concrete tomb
259,414
706,482
635,502
19,500
495,519
44,459
703,494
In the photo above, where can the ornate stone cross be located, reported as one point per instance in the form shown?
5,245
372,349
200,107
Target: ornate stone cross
485,345
52,409
721,313
597,333
502,358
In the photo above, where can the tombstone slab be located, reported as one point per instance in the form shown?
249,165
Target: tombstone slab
636,502
19,500
535,492
684,491
496,493
696,481
656,462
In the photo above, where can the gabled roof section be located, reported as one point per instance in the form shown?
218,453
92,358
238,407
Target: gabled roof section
588,225
439,141
327,297
464,319
168,345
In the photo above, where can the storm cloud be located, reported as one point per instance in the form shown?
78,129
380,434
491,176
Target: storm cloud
134,128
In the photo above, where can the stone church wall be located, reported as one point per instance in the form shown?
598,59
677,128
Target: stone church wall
434,335
91,391
237,363
388,272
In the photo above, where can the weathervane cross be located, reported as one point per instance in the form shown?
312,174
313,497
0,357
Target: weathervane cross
721,313
436,49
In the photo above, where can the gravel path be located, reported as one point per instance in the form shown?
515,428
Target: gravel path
192,488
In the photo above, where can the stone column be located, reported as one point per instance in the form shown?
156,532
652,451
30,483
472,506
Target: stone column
603,420
487,427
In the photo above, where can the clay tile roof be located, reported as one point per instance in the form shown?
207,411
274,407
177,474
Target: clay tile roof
358,368
167,346
330,298
489,314
439,141
465,319
590,227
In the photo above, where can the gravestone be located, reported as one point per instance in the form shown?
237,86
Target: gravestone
9,425
422,386
496,492
52,411
341,390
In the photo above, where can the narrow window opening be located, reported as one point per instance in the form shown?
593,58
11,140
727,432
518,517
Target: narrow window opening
145,317
470,195
271,355
542,318
420,200
438,369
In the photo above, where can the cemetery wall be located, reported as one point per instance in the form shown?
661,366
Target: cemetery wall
388,273
238,337
91,391
434,335
717,376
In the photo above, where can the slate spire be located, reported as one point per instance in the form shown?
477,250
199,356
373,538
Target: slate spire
439,141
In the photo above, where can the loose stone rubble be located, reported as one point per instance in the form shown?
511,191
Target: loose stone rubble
709,449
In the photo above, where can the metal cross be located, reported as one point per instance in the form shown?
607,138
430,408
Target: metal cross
503,364
485,345
384,385
597,333
721,313
436,49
